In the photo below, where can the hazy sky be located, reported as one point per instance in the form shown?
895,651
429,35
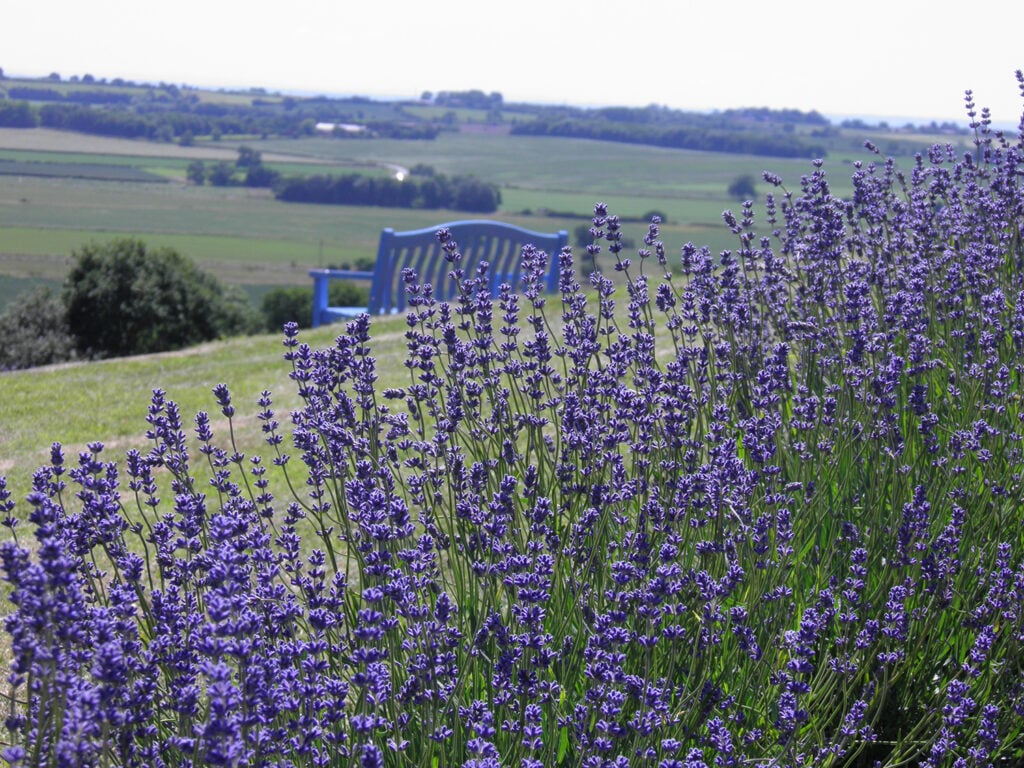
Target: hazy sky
891,58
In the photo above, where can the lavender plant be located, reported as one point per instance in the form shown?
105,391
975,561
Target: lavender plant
766,512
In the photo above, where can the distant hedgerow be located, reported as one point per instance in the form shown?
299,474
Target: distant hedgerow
460,193
765,510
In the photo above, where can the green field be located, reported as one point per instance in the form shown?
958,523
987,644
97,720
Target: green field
556,164
65,170
248,238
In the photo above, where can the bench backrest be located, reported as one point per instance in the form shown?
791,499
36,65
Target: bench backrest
495,242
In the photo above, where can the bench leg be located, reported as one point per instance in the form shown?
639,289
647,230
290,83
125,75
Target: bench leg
319,299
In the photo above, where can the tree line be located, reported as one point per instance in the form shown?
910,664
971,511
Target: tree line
460,193
92,96
751,142
181,119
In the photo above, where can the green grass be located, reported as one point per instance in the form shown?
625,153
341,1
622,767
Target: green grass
38,156
253,251
555,164
171,167
72,403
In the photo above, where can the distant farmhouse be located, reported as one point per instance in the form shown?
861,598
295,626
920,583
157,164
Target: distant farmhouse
340,128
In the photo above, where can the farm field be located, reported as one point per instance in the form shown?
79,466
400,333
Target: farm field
558,164
245,237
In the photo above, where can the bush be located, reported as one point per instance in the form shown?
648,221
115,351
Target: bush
294,304
34,331
17,114
241,316
742,188
123,298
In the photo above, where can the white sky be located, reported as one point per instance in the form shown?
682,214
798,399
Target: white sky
888,58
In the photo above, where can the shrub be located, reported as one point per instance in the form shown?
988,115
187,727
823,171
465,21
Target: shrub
261,176
294,304
768,511
742,187
291,304
34,331
123,298
17,114
241,316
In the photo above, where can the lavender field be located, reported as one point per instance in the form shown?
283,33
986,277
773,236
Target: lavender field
758,507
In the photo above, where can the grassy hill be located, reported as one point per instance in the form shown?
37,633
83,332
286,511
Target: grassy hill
74,403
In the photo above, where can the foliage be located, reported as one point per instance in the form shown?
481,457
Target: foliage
742,187
80,96
766,512
34,331
196,172
294,304
167,113
240,314
99,121
472,99
287,304
684,131
261,176
461,193
248,157
123,298
221,174
17,114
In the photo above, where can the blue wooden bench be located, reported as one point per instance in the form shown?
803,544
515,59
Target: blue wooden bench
495,242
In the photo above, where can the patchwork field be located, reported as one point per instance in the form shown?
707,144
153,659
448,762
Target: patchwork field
74,189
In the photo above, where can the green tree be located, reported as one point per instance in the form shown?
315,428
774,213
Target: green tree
742,187
196,172
248,157
294,303
17,114
123,298
221,174
261,176
475,196
581,236
291,304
